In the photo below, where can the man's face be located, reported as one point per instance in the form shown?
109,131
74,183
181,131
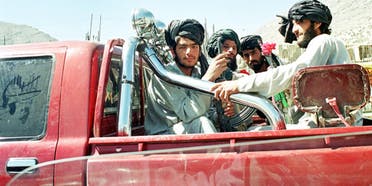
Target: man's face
253,58
229,46
304,31
187,52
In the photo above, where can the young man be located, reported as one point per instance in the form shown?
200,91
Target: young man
259,58
310,20
176,110
224,41
252,55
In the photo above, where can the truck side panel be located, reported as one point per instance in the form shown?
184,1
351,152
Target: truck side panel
249,168
78,95
15,153
324,166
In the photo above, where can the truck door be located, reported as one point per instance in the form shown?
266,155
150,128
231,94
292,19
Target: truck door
29,113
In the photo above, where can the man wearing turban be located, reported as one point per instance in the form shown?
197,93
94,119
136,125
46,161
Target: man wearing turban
310,21
224,42
177,110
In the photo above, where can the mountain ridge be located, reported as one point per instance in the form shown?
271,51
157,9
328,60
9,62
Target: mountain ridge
16,34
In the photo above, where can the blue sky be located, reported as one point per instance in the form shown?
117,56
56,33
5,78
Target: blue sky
70,19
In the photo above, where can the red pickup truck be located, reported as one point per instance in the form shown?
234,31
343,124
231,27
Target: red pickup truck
72,113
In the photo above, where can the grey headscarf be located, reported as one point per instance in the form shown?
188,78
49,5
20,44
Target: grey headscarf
216,40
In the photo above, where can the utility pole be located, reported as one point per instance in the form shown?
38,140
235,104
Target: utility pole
206,36
206,29
96,36
99,29
90,28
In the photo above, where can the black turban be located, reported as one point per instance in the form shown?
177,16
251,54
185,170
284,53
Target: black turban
305,9
310,9
250,42
285,29
188,28
191,29
216,40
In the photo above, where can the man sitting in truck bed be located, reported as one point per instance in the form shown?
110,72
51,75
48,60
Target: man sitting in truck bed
177,110
308,23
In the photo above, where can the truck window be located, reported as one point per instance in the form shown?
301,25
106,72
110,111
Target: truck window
24,89
113,96
137,96
113,87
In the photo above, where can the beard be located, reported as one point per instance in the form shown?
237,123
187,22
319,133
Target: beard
256,66
179,63
308,36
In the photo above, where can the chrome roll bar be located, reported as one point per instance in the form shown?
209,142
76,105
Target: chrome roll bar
253,100
150,44
149,55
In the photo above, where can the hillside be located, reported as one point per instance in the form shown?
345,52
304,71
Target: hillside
16,34
352,22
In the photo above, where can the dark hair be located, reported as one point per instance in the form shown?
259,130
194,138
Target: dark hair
324,28
250,42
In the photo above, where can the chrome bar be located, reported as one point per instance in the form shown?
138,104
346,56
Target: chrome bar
127,81
253,100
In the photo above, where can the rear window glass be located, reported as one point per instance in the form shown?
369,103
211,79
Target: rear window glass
113,87
24,96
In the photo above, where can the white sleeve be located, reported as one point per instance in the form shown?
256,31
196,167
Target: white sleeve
270,82
320,51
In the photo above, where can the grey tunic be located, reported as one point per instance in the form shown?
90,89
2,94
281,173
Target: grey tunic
169,106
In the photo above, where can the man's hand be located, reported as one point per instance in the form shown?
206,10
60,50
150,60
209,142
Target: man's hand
223,90
229,109
216,68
